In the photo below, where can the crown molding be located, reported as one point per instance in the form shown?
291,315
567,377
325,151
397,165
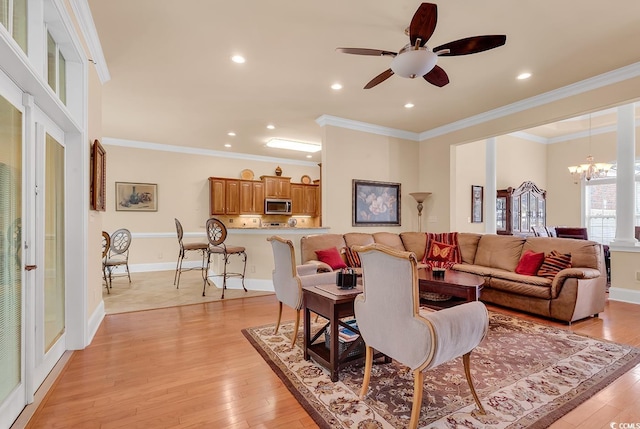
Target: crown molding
614,76
366,127
197,151
530,137
87,26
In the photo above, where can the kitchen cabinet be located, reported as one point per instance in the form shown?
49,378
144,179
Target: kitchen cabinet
519,209
224,196
276,186
251,197
304,199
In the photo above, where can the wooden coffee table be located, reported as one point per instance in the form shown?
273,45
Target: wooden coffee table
465,287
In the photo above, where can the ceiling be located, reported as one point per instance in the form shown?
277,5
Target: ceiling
173,81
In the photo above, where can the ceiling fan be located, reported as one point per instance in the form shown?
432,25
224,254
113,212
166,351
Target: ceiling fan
416,59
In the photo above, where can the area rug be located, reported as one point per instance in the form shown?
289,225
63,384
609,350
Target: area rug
526,374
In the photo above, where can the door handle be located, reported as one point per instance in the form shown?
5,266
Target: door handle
30,267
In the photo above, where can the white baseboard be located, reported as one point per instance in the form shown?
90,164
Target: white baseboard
94,322
624,295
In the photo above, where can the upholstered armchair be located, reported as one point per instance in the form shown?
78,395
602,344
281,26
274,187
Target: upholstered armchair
418,338
289,279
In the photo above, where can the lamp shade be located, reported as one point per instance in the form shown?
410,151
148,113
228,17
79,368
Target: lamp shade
420,196
414,62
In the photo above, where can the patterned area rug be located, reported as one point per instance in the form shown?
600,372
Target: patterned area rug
526,374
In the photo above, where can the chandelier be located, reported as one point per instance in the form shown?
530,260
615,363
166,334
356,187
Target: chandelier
590,170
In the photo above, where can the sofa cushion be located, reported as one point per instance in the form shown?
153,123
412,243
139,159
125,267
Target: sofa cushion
441,252
468,244
415,242
449,238
499,251
530,263
331,257
584,253
358,239
553,263
389,239
310,243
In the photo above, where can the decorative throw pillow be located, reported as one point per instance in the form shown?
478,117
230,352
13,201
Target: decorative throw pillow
331,257
448,238
530,263
553,263
441,252
353,259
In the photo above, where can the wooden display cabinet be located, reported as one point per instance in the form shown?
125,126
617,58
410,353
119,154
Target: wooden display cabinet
276,186
251,197
519,209
224,196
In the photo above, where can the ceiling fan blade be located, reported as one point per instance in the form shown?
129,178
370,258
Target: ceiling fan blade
437,76
367,51
471,45
423,23
379,79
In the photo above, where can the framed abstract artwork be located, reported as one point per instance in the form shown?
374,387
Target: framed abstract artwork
375,203
136,197
98,189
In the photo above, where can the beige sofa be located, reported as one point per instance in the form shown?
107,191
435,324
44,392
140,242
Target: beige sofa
575,293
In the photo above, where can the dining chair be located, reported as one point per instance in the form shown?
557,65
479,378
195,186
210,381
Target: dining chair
288,279
540,231
106,243
199,247
391,321
118,254
216,236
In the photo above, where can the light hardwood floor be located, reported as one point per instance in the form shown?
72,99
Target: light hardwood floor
190,366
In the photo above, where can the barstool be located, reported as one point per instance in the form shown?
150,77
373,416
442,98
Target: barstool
184,248
216,234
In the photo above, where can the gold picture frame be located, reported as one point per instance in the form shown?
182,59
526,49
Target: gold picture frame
477,202
98,188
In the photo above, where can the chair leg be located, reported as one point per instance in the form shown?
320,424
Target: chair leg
368,362
418,385
279,317
176,277
295,328
243,255
224,274
467,373
206,274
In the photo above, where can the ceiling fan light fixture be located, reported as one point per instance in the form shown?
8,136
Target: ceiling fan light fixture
415,62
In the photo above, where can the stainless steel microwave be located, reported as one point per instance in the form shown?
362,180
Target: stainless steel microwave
277,206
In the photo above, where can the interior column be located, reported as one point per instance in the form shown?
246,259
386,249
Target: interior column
625,182
490,186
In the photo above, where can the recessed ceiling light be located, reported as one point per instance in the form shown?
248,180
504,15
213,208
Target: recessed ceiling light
409,105
227,145
293,145
523,76
309,156
231,133
271,127
336,86
238,59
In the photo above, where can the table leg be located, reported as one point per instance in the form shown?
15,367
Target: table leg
307,332
335,346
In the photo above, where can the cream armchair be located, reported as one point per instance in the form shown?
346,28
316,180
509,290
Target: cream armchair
418,338
288,279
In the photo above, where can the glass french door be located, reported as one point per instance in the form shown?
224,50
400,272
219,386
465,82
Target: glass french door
12,331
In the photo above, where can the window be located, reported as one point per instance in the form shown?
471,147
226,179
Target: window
56,69
13,15
600,206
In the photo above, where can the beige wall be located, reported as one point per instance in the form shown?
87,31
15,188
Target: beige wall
349,154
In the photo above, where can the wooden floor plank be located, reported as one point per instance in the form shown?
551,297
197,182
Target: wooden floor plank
190,366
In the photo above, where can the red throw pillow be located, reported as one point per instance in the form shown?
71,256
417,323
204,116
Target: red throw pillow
353,259
441,252
331,257
530,263
553,263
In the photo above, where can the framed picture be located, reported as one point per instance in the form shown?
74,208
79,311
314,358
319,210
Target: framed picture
375,203
98,189
476,203
136,197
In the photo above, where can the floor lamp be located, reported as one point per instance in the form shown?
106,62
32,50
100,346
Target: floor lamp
420,197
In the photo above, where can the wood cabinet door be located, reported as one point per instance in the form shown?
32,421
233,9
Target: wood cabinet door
246,197
217,196
310,200
258,197
297,199
233,196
